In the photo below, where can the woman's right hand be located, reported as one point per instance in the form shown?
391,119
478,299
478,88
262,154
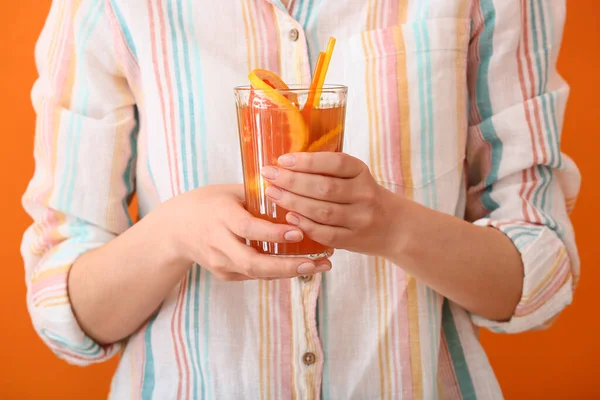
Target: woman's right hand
209,226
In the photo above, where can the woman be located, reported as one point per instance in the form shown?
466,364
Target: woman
449,209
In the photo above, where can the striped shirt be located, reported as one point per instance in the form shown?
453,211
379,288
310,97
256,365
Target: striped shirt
455,104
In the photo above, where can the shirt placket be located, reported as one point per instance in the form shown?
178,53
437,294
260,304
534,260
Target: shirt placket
306,347
293,48
308,354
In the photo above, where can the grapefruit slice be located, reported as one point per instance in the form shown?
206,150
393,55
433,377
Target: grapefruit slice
269,83
327,142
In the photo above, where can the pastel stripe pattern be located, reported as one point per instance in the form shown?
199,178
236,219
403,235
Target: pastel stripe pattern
454,104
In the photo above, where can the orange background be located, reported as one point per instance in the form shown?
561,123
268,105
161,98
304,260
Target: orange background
558,363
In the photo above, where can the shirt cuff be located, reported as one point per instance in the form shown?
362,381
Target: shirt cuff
548,278
50,307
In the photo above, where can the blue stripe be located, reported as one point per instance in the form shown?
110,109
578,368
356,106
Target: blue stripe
311,31
82,99
180,103
188,315
455,347
539,75
191,133
484,103
87,347
124,28
206,390
430,119
128,174
427,156
199,126
200,110
149,378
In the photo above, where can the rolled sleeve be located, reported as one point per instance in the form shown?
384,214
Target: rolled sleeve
519,181
84,167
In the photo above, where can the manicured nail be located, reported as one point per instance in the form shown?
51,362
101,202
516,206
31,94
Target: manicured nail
292,219
269,172
293,236
306,268
287,160
323,268
274,193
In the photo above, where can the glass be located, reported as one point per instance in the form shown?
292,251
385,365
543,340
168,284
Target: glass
268,130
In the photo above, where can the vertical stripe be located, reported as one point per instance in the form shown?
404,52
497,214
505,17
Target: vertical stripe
404,112
457,355
261,340
80,98
199,108
161,95
206,387
268,319
324,333
380,328
124,28
149,372
181,126
484,102
414,338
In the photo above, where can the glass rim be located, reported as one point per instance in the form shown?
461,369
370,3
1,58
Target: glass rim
295,88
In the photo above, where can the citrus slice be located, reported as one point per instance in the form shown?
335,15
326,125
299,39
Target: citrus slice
274,82
298,130
327,142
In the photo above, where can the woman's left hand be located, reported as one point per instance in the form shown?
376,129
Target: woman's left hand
334,199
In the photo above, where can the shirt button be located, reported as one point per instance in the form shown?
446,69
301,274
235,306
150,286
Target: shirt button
309,358
305,278
294,35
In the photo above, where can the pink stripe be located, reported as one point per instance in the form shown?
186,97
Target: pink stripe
269,41
124,54
180,357
395,308
474,60
395,147
58,79
404,340
160,90
61,289
447,374
275,344
547,291
171,98
53,280
285,307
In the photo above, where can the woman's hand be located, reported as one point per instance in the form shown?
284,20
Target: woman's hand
334,199
210,226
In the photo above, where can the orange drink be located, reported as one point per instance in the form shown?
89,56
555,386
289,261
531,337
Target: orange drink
277,120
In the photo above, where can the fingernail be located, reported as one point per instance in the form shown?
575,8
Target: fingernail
269,172
274,193
287,160
293,236
306,268
292,219
323,268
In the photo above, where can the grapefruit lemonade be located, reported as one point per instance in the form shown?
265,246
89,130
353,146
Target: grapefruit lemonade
275,119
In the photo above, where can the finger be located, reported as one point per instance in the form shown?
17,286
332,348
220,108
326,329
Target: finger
322,212
260,266
310,185
248,227
340,165
327,235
